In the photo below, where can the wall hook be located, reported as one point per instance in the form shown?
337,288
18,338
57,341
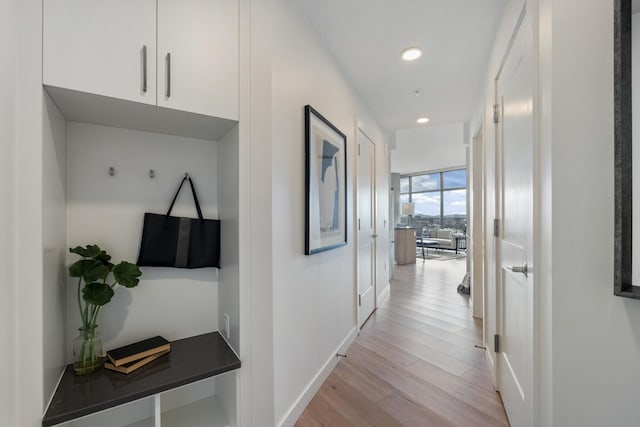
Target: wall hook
186,175
152,173
112,171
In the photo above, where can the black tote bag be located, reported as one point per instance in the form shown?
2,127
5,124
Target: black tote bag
169,241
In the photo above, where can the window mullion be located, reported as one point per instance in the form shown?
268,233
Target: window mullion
441,199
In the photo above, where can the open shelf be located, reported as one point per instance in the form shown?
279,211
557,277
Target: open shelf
148,422
190,360
203,413
206,412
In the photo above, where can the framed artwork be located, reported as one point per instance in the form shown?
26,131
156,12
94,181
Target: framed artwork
625,244
326,184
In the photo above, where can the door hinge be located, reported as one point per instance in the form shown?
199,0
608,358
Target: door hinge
496,227
496,343
496,113
359,300
358,149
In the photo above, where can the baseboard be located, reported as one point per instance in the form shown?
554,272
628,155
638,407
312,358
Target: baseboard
312,388
383,295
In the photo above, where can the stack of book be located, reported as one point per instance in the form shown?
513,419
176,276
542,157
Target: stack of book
133,356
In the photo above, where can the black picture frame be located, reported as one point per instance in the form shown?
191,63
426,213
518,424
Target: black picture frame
623,237
325,184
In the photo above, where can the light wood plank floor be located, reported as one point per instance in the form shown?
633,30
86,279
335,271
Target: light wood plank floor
414,362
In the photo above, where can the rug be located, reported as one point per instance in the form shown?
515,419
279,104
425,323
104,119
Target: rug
441,255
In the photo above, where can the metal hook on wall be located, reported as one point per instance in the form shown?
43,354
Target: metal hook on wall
152,173
112,171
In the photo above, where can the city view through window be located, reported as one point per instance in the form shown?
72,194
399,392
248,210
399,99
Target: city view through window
439,198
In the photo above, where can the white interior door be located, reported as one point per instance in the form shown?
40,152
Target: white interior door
366,228
514,89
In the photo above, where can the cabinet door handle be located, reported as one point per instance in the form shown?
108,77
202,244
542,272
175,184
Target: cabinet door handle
168,61
144,68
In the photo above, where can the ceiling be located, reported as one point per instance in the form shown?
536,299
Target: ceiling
366,38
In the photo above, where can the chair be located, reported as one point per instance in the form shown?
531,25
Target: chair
420,236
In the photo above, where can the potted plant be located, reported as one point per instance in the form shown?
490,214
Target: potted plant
97,278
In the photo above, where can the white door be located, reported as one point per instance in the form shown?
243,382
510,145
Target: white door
101,47
366,228
198,56
514,164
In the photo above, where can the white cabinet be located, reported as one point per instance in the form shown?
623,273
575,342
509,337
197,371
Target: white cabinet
176,54
99,47
198,56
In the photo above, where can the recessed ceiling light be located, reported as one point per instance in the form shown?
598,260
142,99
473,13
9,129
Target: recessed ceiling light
411,53
422,120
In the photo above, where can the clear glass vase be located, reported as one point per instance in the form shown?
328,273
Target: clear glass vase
87,351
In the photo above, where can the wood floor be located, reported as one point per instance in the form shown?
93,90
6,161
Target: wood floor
414,362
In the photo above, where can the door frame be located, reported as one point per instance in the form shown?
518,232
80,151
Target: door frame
476,221
359,129
525,18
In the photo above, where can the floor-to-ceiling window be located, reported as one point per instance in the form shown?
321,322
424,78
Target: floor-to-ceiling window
439,198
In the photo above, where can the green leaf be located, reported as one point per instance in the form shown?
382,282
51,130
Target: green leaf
127,274
91,251
89,269
78,268
97,293
104,259
79,250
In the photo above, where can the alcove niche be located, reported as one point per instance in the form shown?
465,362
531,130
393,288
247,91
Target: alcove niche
102,170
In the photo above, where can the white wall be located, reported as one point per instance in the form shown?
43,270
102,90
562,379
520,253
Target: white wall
9,32
582,124
314,296
29,131
589,339
428,148
255,276
54,279
28,162
108,211
228,197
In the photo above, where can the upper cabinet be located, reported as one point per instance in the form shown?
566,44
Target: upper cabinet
198,56
176,54
101,47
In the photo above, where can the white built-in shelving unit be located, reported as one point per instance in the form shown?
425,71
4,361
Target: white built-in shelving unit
141,85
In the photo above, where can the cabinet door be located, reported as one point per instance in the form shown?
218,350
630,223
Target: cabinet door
198,56
98,46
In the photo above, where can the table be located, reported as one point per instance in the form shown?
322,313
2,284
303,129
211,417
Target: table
426,243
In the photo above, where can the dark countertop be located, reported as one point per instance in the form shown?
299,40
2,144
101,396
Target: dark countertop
191,359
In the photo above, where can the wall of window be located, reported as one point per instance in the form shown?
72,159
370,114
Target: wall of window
439,198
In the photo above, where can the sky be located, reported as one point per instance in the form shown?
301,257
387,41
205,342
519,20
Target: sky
455,202
428,203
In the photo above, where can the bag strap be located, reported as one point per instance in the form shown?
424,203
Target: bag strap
193,191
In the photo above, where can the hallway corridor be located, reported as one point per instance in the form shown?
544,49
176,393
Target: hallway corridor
414,362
